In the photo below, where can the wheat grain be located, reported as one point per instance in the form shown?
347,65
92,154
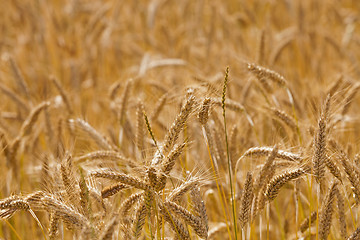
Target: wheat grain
195,222
325,217
273,187
305,224
351,174
179,229
264,151
355,235
203,115
341,211
68,180
124,101
139,220
246,201
128,203
261,72
122,178
140,134
199,206
112,190
178,124
185,187
282,116
265,171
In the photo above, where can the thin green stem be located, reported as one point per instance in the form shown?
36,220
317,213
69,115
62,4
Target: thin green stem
227,151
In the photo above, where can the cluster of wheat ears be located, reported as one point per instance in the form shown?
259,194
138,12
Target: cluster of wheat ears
121,120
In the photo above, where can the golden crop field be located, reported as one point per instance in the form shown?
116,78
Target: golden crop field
164,119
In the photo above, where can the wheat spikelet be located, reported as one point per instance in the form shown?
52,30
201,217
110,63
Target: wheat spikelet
169,162
168,165
263,178
178,124
320,148
199,206
335,171
140,134
112,190
194,221
246,201
261,72
230,104
152,177
68,180
139,222
60,146
148,201
264,151
71,217
273,187
351,174
11,205
285,118
203,114
218,147
259,201
84,196
305,224
210,142
233,143
122,178
185,187
126,231
179,229
355,235
325,217
128,203
341,211
152,135
15,203
124,101
54,225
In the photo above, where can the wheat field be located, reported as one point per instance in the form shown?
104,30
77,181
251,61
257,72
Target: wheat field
162,119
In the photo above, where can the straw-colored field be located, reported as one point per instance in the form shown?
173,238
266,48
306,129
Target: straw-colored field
187,119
